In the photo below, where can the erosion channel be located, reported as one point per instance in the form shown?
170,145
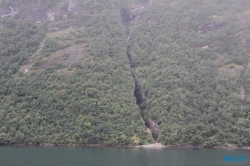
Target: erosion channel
126,19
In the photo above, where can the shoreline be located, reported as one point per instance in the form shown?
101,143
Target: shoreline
149,146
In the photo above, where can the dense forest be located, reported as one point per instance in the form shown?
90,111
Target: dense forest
125,72
71,85
192,58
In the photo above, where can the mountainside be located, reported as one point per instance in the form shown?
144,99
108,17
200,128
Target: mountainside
67,80
192,61
125,72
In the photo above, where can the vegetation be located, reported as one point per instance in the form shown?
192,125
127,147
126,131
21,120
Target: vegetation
68,80
193,58
72,97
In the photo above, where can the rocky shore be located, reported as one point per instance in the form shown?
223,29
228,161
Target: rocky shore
155,146
149,146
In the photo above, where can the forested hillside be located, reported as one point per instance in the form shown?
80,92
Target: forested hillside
67,80
192,61
125,72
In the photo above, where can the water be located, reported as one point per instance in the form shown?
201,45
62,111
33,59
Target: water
65,156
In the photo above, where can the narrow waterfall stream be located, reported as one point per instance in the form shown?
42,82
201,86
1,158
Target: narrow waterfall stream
139,95
126,19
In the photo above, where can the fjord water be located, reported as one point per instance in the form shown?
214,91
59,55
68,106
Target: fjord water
65,156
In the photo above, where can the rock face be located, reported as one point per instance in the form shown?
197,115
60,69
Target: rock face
154,127
153,146
10,12
41,10
35,10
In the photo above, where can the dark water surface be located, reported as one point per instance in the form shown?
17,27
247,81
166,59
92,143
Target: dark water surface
67,156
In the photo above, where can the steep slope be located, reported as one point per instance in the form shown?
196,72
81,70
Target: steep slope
107,71
66,80
192,58
130,19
